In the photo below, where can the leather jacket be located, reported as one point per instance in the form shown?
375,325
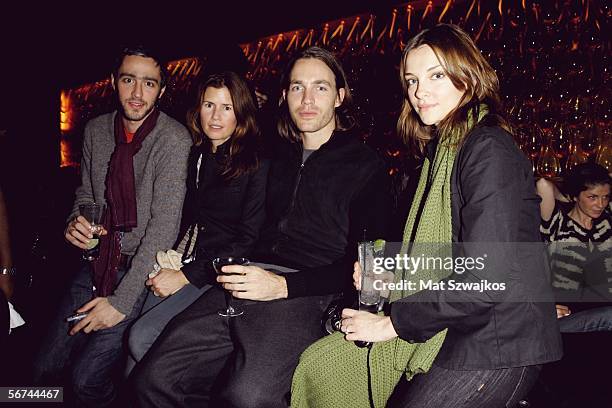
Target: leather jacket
493,202
229,214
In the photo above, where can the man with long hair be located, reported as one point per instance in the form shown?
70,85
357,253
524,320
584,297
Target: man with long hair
325,187
135,162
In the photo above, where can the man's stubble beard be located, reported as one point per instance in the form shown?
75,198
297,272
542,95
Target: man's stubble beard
131,118
312,126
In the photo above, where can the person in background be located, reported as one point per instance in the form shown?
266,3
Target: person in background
580,234
224,205
135,162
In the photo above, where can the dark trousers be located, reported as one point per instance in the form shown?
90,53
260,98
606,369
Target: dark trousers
202,359
442,388
94,360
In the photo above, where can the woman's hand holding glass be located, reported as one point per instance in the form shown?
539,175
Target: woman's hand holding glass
365,326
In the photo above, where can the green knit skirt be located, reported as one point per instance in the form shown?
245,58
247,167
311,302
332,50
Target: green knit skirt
333,372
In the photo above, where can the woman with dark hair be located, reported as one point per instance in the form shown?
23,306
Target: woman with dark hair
224,205
580,238
475,197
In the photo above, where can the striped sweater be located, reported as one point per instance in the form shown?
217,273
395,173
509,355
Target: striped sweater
579,258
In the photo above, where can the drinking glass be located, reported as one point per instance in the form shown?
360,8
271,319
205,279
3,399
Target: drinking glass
92,212
369,296
218,263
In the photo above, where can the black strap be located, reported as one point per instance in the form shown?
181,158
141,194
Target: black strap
370,395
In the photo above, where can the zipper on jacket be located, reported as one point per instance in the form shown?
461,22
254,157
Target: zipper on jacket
295,189
283,223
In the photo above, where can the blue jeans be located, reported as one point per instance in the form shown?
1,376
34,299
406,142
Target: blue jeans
156,313
93,359
442,388
591,320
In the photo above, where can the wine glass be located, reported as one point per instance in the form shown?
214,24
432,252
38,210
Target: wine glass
218,263
92,212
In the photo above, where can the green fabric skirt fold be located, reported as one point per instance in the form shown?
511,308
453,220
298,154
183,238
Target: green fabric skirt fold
333,372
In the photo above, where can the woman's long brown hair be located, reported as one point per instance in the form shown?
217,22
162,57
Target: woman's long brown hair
243,156
467,69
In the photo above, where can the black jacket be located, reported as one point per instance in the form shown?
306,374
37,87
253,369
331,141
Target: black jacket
493,201
316,212
229,214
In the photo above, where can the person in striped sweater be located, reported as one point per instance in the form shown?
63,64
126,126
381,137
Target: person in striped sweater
579,233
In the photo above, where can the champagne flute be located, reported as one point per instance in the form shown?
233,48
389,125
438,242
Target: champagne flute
218,263
92,212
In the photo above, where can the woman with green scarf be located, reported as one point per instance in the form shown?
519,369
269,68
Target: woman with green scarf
483,332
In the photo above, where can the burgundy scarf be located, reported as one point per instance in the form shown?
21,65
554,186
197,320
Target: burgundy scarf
120,215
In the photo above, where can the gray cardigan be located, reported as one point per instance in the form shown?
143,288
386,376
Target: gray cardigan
160,170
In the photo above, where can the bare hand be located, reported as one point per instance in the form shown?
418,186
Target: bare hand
101,315
253,283
562,311
7,286
78,232
366,326
167,282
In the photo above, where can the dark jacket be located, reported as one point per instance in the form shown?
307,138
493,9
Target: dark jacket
317,212
493,201
229,213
